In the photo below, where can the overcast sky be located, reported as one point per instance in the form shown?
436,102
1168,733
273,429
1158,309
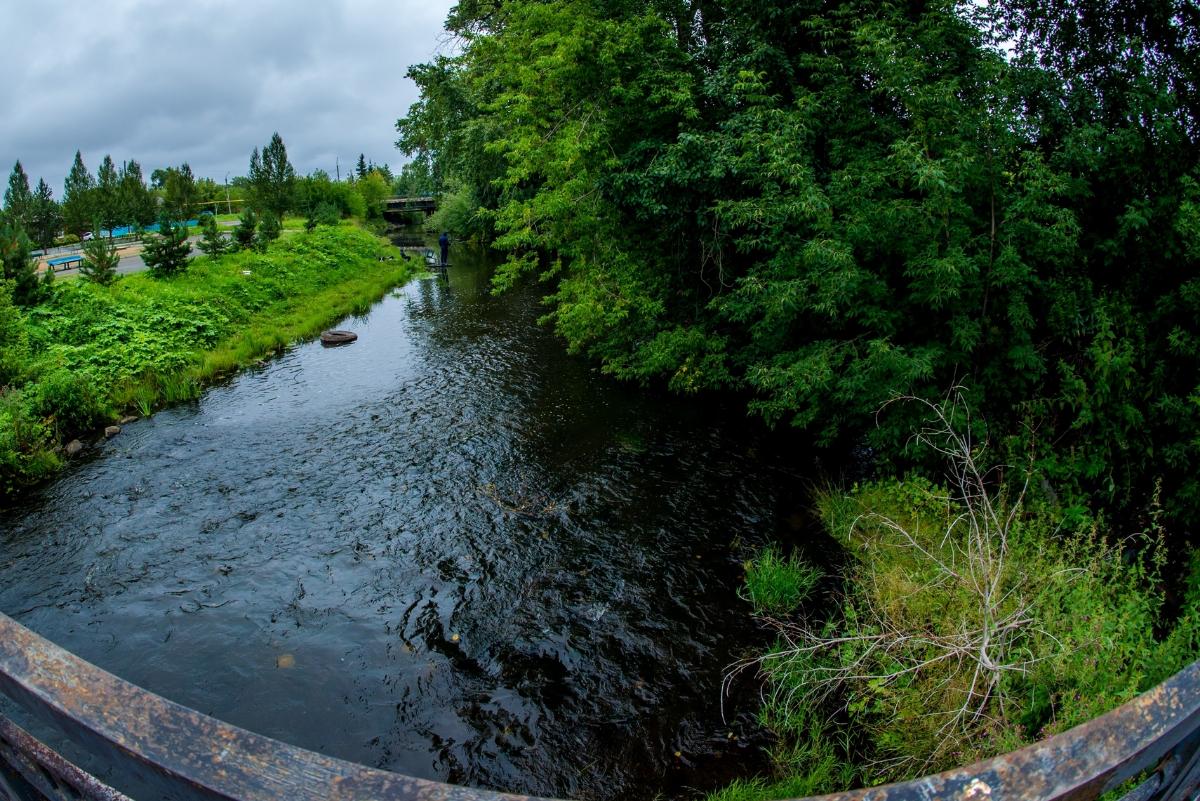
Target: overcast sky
205,81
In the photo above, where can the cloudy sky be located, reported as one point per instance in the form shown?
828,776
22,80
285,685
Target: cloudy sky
205,81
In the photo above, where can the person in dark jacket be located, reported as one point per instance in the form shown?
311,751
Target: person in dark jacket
444,243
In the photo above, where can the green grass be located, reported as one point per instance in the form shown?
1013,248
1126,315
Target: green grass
870,693
777,586
91,352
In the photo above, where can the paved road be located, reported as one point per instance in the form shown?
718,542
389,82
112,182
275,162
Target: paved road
131,260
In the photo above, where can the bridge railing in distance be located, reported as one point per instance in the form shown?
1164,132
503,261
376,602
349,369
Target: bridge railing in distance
167,751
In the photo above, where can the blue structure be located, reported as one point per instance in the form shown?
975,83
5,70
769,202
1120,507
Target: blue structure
65,261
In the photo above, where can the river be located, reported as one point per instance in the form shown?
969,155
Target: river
448,549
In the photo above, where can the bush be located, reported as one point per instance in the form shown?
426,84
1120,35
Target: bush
972,623
69,402
14,344
66,239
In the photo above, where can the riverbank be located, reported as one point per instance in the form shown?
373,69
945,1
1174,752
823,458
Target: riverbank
966,621
91,354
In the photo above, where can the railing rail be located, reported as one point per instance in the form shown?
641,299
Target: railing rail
169,751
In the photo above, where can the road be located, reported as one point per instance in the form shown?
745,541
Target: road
131,259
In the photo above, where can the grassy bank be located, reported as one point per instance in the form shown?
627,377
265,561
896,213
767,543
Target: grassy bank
92,353
966,621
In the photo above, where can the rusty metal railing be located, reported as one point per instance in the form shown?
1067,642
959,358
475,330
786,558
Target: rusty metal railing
170,752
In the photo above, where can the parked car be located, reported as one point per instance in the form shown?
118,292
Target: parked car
88,235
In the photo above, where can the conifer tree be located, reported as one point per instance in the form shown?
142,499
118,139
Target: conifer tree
18,200
272,177
136,201
212,242
100,259
108,196
166,252
19,267
268,230
361,169
46,218
244,234
78,197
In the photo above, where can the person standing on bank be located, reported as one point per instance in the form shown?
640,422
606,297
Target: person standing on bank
444,242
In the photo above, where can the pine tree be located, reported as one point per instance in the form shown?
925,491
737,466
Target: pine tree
244,234
108,196
273,178
18,200
361,169
136,201
179,191
212,242
166,252
46,218
78,196
268,230
100,260
19,266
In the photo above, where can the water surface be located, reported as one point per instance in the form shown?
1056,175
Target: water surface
447,550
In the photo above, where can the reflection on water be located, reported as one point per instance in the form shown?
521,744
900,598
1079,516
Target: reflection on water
446,549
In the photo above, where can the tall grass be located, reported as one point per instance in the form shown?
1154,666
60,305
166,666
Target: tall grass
92,352
972,620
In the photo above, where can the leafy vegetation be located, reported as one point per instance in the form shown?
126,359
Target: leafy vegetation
970,623
91,351
824,205
166,252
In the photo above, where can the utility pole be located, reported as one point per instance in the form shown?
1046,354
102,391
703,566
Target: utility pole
337,166
228,206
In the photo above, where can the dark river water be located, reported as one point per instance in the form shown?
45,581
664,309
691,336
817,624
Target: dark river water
447,549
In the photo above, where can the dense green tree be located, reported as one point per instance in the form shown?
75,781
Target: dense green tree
244,234
828,204
361,168
109,210
178,187
19,267
78,197
46,220
100,259
18,200
212,241
166,252
136,201
272,177
316,189
374,190
268,231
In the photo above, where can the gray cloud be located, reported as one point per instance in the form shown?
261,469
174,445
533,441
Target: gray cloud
204,81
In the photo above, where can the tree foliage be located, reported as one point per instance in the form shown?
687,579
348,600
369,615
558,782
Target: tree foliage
272,177
829,204
166,252
18,200
46,217
246,229
100,260
78,197
212,242
19,268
